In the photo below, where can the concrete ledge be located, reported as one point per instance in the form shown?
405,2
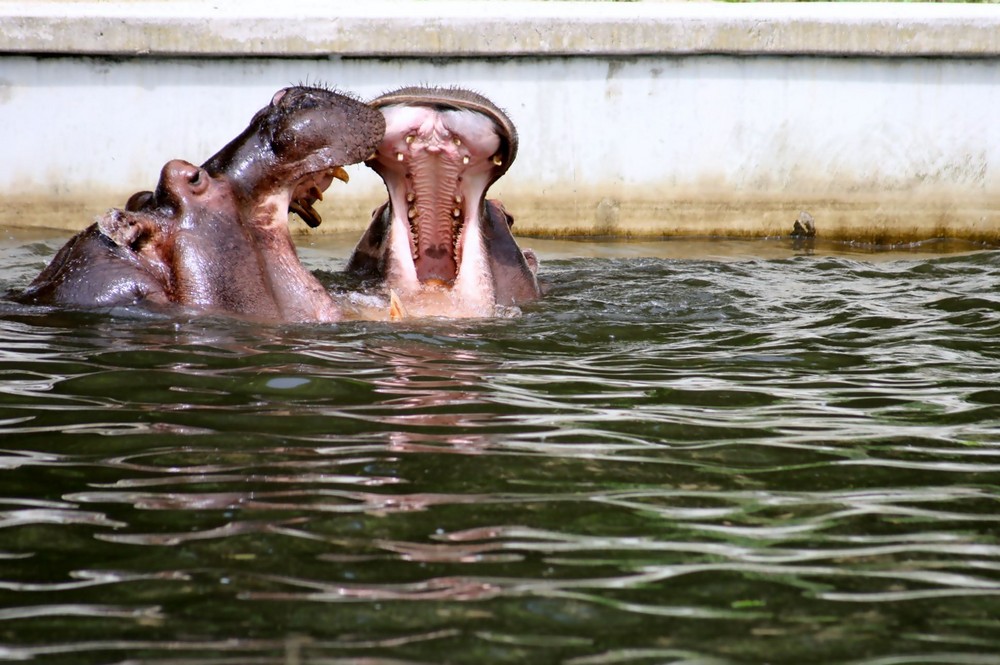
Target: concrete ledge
379,28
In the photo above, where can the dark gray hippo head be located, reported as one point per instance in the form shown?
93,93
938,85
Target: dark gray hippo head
443,148
135,256
216,237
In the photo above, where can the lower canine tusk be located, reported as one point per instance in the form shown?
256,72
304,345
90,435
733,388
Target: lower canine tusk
397,310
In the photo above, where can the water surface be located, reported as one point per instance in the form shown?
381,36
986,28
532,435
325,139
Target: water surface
711,452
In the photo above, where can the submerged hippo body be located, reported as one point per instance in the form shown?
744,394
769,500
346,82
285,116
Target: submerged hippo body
216,238
91,270
438,242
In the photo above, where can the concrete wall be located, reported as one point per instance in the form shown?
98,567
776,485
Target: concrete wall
635,118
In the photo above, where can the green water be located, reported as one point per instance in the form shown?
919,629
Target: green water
686,453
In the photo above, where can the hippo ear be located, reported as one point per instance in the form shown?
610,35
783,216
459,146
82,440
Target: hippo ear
499,206
138,201
278,95
531,259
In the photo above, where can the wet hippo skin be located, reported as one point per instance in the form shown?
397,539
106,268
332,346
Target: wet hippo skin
216,237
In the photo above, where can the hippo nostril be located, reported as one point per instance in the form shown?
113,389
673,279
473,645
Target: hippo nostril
198,181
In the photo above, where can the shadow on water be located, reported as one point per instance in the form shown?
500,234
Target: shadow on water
714,456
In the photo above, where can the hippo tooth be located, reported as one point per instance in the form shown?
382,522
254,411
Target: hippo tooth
465,160
410,197
411,213
399,156
458,141
456,213
397,310
340,174
458,199
497,159
409,139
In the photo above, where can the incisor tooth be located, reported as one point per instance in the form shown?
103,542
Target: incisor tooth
409,139
498,160
458,141
399,156
465,160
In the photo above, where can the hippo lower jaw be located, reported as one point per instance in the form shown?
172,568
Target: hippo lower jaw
296,291
298,295
470,290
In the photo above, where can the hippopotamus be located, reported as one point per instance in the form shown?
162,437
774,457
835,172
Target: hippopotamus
138,255
216,237
438,242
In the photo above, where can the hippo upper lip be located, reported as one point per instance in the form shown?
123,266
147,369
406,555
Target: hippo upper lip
302,132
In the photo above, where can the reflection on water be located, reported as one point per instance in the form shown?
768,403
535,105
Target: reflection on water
712,453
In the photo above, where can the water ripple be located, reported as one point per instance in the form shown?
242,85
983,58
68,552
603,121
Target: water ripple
665,460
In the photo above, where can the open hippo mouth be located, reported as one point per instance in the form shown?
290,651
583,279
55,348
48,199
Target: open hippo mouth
309,190
442,150
296,146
